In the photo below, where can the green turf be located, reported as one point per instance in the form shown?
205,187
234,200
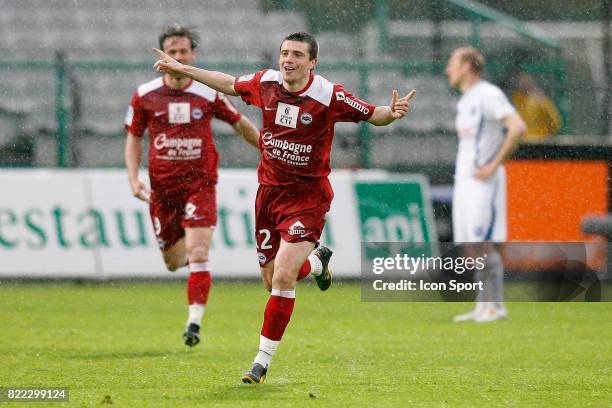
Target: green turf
124,340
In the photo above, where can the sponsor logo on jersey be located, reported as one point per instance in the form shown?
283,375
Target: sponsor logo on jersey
296,148
340,96
287,115
190,210
354,104
179,148
297,229
197,113
262,258
179,112
296,154
306,118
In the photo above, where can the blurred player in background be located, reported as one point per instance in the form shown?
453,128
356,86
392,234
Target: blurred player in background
489,131
183,164
299,112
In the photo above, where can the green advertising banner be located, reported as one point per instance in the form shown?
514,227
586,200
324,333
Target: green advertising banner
396,210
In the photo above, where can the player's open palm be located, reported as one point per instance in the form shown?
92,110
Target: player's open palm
167,64
400,107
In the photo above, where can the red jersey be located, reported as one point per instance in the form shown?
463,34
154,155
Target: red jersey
182,154
298,127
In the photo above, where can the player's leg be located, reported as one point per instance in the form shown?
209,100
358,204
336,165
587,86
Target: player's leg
288,261
460,236
318,202
317,265
197,242
495,266
199,220
288,223
471,215
169,232
175,257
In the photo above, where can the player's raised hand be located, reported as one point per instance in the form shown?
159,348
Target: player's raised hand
140,190
400,107
167,64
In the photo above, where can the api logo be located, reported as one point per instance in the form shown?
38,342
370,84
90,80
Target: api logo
306,118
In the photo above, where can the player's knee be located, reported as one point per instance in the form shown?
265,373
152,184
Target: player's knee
197,253
172,265
283,278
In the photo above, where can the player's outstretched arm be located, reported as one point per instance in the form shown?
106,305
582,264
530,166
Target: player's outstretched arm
218,81
133,157
516,128
247,130
397,109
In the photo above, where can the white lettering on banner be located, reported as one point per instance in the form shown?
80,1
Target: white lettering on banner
86,224
286,115
179,112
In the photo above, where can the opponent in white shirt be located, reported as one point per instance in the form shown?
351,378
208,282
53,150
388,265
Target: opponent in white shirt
489,130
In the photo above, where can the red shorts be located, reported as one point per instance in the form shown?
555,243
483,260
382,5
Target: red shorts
171,215
294,213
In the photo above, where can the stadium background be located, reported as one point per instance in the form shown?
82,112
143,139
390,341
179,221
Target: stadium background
67,71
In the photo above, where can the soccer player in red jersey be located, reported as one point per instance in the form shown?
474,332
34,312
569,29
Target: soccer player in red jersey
299,112
183,164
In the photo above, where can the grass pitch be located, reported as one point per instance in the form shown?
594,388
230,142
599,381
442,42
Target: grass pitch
121,343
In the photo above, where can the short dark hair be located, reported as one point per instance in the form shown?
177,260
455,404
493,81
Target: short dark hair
177,30
473,57
313,50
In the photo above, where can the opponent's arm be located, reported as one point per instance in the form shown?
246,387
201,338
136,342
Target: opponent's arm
515,129
133,157
218,81
397,109
247,130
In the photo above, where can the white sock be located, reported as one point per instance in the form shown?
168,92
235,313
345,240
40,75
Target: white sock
199,266
316,267
267,348
196,312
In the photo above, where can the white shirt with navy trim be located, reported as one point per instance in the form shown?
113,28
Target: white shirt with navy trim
480,113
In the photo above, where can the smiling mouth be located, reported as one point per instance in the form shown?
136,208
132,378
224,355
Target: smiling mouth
288,69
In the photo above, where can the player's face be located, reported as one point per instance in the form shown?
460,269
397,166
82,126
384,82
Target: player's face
180,49
455,69
294,61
